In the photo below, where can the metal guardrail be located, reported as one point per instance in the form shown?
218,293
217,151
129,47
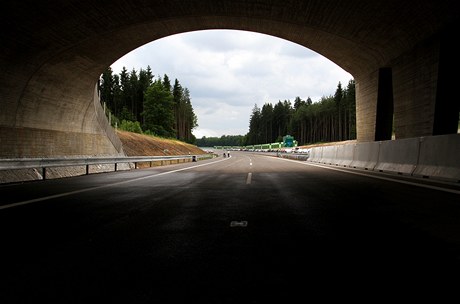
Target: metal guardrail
43,163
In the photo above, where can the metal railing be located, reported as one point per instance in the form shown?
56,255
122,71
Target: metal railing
43,163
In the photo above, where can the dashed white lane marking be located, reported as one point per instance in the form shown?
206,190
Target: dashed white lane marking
238,223
248,179
101,187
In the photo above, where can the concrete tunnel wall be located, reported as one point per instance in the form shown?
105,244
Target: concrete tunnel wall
53,54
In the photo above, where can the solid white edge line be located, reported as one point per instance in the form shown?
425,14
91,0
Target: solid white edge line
373,176
103,186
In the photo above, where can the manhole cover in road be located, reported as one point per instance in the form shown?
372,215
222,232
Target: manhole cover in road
238,223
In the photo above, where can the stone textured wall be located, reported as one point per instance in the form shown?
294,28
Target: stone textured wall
54,52
366,106
415,77
29,142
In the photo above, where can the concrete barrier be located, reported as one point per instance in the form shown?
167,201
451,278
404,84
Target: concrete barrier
329,155
439,157
302,157
398,156
345,155
366,155
316,153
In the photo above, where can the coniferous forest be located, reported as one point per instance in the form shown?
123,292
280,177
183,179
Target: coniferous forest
332,118
139,102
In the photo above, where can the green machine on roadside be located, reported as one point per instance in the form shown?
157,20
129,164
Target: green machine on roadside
289,142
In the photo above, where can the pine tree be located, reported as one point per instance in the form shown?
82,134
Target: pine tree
158,111
106,87
177,98
338,129
125,91
254,126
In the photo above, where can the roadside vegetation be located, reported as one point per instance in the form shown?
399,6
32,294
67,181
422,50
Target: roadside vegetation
331,119
140,103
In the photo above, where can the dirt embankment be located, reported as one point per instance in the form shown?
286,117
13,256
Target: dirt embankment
135,144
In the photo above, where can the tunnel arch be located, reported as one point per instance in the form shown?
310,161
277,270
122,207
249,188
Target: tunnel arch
54,53
234,69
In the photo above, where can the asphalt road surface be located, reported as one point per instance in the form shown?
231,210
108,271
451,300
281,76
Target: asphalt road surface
244,229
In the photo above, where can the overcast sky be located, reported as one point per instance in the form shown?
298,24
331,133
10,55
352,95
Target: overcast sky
228,72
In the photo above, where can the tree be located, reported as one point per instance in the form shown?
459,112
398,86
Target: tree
350,104
190,119
106,87
281,118
254,126
125,96
132,88
266,121
144,81
338,125
124,86
166,83
298,103
116,91
177,98
185,119
158,111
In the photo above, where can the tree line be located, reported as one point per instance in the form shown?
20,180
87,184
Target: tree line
332,118
224,140
139,102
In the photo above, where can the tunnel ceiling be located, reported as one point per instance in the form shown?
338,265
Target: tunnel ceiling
351,33
53,52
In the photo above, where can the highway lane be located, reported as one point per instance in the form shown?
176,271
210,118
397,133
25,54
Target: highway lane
248,229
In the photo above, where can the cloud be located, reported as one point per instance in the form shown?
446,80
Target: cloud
227,72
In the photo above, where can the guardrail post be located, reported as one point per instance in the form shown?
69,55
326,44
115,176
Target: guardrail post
135,165
115,167
87,169
44,173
